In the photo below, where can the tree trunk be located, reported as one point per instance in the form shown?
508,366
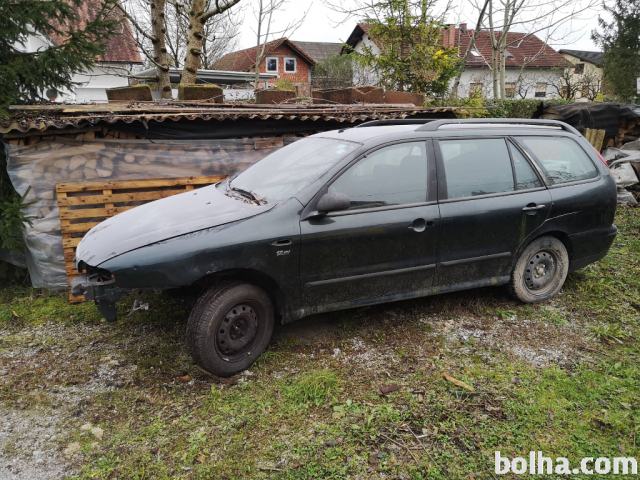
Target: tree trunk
160,56
195,35
494,73
259,53
503,85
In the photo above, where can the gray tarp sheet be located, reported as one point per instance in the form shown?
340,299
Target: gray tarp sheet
36,168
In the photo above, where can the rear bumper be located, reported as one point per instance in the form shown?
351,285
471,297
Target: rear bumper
590,246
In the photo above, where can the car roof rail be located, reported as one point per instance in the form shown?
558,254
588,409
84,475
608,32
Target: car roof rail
398,121
537,122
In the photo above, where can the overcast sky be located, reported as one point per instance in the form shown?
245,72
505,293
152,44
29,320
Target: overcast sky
324,25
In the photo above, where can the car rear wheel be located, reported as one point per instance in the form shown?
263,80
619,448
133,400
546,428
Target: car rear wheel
540,271
229,327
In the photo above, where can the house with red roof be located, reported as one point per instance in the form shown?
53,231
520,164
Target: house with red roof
282,57
533,68
112,69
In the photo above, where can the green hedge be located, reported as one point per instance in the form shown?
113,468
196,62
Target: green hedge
478,107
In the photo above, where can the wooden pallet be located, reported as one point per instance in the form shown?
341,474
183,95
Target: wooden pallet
84,205
595,137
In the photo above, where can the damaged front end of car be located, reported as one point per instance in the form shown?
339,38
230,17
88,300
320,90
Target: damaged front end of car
99,285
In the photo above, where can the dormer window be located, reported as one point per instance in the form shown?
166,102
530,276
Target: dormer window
290,65
272,64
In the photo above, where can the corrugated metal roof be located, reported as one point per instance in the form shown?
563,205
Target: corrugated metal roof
40,118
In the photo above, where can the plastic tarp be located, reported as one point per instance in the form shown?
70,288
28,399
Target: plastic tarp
36,168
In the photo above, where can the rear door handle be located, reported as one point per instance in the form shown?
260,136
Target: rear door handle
533,208
420,224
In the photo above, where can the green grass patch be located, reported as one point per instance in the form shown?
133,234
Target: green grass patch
307,412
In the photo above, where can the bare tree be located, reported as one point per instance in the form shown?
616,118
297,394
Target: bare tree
149,24
219,34
266,31
470,47
538,17
200,13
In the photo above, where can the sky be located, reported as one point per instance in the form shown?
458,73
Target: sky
322,24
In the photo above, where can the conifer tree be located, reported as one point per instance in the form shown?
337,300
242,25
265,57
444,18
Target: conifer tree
27,75
620,41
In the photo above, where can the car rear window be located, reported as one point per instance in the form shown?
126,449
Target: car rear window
561,158
476,166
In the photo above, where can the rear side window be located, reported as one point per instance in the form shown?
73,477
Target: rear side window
524,174
561,158
393,175
476,167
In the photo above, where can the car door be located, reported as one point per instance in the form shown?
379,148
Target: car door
383,247
491,199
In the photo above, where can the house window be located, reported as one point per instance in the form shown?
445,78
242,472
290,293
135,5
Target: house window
272,64
510,89
475,88
541,89
579,68
475,52
290,65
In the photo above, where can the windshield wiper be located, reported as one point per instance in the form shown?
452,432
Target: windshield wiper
248,195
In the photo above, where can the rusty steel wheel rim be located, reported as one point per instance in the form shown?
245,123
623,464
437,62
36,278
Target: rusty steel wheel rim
541,272
237,332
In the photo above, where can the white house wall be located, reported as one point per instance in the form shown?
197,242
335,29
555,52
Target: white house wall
365,75
525,81
92,85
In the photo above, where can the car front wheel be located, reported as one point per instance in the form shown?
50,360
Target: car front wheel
540,271
229,327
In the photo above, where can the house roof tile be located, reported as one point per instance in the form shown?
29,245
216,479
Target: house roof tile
524,50
120,47
320,51
244,60
596,58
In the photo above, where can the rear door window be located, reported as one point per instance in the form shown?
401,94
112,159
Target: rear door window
476,166
561,158
524,174
393,175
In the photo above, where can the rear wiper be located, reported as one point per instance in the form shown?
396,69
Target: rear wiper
248,194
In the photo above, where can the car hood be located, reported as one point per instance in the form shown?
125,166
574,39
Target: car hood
162,219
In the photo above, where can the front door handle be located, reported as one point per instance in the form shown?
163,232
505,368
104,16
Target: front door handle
532,208
282,243
420,224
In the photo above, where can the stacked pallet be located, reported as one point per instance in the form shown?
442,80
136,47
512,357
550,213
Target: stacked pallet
84,205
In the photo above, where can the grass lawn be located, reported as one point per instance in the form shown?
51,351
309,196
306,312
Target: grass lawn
357,394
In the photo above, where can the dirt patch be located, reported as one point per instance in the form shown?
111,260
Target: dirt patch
50,373
28,445
538,343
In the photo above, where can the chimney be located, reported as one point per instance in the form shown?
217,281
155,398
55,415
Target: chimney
463,27
449,37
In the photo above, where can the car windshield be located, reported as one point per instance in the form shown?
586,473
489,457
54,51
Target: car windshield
286,171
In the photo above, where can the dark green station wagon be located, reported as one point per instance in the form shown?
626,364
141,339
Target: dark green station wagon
382,212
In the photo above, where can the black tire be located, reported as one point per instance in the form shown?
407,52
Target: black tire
229,327
540,271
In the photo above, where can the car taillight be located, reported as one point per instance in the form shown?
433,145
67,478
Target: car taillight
602,159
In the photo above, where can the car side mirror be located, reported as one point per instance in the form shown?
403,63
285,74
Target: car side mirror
332,202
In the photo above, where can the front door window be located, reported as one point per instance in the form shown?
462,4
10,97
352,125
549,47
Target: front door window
393,175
